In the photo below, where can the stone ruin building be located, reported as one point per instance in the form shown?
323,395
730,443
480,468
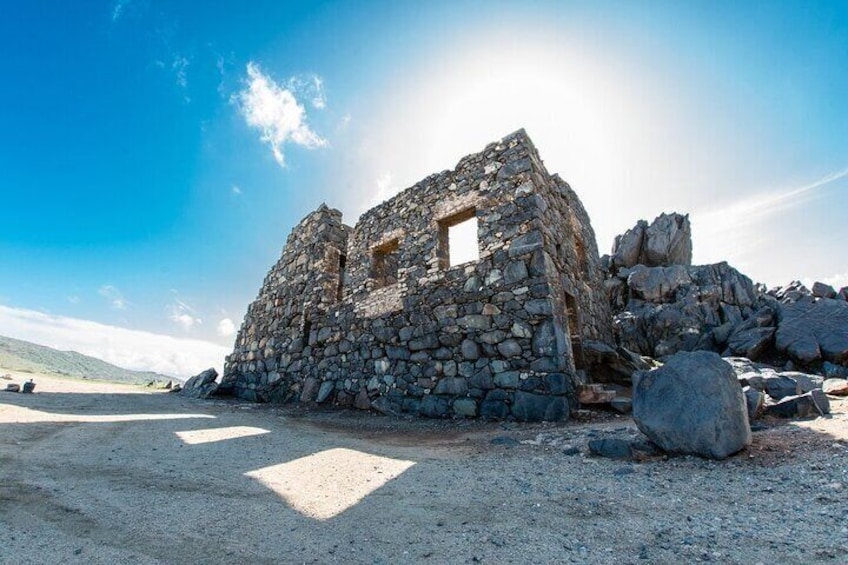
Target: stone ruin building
375,316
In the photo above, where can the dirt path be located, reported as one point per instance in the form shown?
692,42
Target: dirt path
100,473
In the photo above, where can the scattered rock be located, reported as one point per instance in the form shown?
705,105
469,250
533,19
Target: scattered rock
822,290
780,386
754,401
693,404
202,385
813,403
612,448
13,387
835,387
28,387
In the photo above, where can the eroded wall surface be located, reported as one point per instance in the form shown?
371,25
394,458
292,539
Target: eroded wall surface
375,316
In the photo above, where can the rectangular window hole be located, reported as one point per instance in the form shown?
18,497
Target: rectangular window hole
458,242
384,264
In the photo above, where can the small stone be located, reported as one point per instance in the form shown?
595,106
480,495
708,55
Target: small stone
509,348
835,387
470,350
504,440
612,448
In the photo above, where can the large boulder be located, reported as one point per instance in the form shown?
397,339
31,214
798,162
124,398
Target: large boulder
693,405
811,331
667,241
202,385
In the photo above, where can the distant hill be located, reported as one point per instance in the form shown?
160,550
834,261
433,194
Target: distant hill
26,357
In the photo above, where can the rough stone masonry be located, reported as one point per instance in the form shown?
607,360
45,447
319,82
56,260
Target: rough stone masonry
375,316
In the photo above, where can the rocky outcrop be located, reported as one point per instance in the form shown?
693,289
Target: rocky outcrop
814,330
666,241
693,405
662,310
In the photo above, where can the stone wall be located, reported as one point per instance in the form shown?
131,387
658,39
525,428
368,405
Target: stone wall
376,317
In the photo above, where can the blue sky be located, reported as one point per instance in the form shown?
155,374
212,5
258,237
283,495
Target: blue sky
155,155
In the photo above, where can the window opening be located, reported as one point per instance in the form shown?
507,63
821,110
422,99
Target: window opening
342,265
458,239
384,264
307,328
572,314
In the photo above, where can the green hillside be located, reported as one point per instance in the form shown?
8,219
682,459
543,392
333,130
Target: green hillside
26,357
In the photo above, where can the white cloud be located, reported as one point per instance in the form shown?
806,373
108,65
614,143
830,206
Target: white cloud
74,299
132,349
114,296
276,113
226,327
235,190
183,315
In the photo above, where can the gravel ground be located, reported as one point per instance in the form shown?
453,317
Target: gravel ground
102,473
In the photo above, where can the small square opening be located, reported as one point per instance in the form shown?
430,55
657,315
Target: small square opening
458,242
384,264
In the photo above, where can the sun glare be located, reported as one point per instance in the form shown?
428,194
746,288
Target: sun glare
325,484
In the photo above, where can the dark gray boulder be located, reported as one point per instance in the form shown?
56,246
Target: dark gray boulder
202,385
779,386
822,290
693,405
813,331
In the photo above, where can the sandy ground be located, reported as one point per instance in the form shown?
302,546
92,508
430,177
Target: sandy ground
103,473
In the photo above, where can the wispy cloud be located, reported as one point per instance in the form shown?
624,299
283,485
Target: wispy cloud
235,190
118,9
179,66
131,349
759,206
276,113
114,296
746,233
183,315
226,327
74,299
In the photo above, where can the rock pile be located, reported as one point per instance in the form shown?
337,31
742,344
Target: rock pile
664,305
